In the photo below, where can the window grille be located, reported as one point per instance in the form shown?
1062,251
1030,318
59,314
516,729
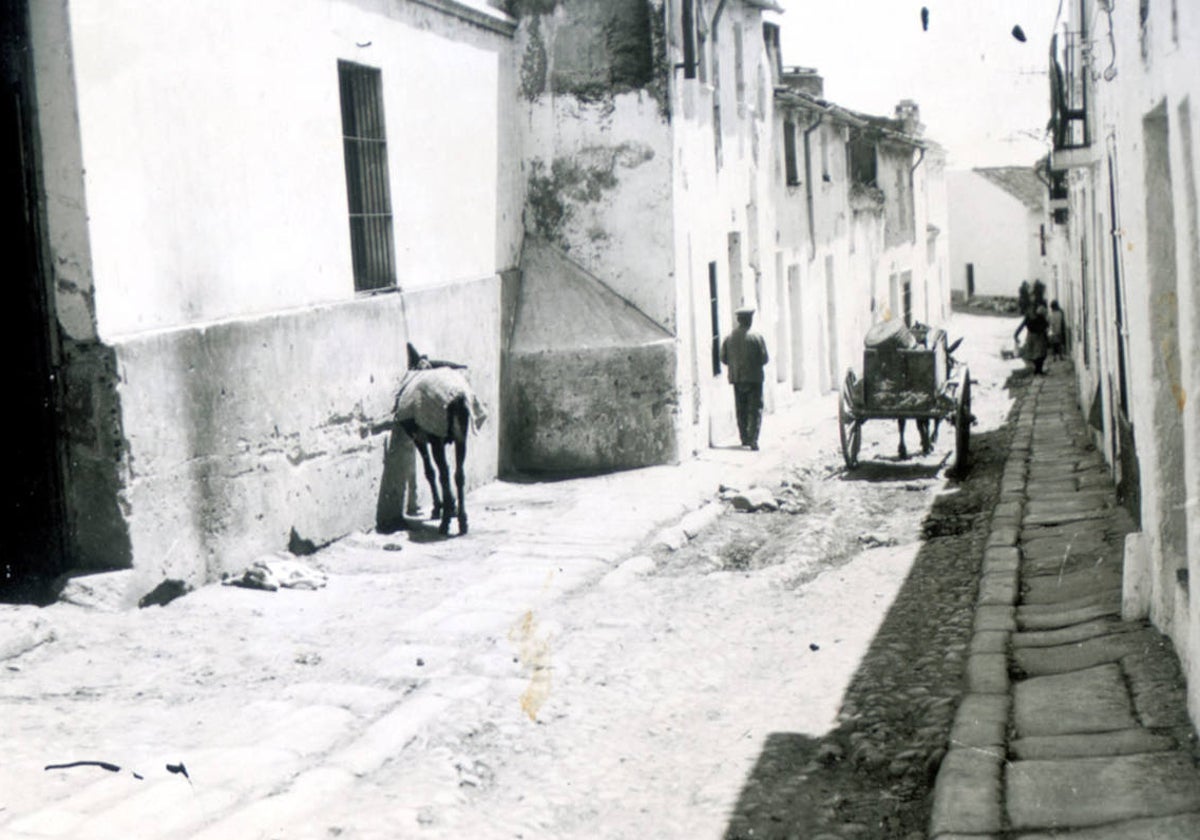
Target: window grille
364,143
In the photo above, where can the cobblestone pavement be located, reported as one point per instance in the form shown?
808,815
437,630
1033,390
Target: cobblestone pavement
1074,723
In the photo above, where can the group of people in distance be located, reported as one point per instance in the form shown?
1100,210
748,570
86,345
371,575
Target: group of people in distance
1045,329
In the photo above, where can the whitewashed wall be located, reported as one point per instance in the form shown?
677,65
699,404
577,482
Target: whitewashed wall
993,230
198,229
1143,119
211,136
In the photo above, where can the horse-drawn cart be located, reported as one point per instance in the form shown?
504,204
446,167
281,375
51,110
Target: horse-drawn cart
907,375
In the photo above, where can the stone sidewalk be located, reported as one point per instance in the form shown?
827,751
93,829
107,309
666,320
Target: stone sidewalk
1074,723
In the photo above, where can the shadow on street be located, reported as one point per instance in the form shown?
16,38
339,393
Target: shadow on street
873,774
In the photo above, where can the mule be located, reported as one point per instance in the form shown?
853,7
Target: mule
436,407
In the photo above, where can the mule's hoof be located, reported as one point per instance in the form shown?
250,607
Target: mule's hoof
444,529
903,453
462,527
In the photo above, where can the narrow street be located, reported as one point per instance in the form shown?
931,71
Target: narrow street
560,672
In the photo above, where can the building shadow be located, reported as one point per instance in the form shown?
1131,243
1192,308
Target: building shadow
872,775
887,469
397,485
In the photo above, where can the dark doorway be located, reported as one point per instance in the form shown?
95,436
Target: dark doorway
32,543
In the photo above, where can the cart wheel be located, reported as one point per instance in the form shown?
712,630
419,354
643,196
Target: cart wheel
851,433
962,426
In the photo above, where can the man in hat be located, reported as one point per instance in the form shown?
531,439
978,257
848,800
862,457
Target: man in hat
745,354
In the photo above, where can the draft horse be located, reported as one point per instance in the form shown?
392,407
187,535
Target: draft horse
435,407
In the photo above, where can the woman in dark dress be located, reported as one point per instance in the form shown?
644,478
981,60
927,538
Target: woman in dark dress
1037,344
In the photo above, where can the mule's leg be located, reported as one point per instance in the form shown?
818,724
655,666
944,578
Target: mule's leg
903,451
923,430
439,456
460,458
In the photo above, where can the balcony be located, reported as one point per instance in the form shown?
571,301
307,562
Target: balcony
1072,141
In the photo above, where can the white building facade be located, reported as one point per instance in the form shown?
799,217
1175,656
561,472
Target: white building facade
248,211
1123,179
1000,231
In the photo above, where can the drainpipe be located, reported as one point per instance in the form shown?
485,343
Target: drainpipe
717,15
808,185
912,191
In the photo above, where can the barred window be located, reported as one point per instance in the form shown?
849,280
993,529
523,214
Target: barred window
364,142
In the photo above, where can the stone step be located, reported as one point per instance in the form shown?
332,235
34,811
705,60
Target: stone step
1118,742
1098,791
1060,517
1096,628
1087,701
1177,827
1069,586
1080,656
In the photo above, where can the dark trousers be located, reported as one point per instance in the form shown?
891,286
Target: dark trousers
748,402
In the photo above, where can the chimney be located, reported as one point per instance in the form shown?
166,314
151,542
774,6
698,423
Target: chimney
908,114
804,80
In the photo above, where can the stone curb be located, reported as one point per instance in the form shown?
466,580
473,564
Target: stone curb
968,794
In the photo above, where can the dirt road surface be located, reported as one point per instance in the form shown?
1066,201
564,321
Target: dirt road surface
785,674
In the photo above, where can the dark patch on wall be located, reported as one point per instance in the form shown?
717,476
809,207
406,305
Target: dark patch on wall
569,182
599,48
525,8
98,458
546,210
629,41
534,63
659,86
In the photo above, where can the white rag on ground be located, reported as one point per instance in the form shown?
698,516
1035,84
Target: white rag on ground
271,573
425,393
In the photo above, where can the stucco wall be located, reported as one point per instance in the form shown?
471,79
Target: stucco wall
211,142
993,230
222,383
597,142
1152,104
623,418
237,433
1145,112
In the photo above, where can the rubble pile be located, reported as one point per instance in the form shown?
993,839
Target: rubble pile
792,496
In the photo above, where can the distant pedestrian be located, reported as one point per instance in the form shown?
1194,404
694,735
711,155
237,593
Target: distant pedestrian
745,354
1036,343
1057,332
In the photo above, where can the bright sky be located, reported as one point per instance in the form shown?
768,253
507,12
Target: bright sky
982,92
